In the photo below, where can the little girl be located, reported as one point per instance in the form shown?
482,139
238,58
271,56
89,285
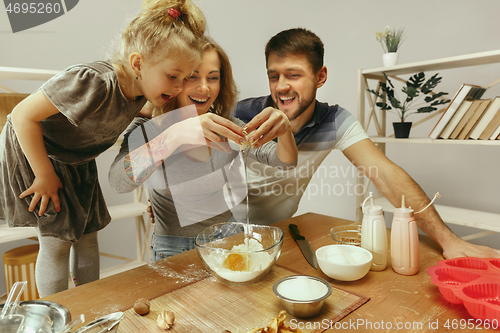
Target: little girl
187,176
51,139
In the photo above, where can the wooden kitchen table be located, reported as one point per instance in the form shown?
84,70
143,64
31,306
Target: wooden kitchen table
397,302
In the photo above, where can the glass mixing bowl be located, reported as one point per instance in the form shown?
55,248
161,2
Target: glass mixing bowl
349,234
239,253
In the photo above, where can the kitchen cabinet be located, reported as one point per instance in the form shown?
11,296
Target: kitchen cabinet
135,209
370,112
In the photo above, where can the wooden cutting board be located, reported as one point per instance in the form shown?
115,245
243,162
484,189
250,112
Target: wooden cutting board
209,306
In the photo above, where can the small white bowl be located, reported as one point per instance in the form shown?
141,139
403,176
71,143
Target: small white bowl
344,262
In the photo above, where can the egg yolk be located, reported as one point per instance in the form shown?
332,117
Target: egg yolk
236,262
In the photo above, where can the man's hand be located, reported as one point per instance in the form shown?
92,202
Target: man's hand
460,248
268,124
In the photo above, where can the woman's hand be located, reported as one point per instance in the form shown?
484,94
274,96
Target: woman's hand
268,124
216,128
149,209
44,189
208,129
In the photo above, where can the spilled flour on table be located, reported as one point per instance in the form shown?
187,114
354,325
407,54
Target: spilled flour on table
105,311
191,273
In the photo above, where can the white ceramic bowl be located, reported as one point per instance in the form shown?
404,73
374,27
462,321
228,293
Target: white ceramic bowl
344,262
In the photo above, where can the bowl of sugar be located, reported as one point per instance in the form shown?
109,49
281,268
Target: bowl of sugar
344,262
302,296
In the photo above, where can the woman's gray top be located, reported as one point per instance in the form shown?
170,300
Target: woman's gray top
188,196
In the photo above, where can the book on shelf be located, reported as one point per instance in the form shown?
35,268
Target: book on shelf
466,92
478,113
496,134
489,122
465,119
453,123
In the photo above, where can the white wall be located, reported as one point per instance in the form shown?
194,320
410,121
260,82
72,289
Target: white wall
465,176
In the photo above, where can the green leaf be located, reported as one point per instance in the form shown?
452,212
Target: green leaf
395,103
431,84
376,93
411,91
440,102
388,80
430,98
383,87
383,106
416,80
426,109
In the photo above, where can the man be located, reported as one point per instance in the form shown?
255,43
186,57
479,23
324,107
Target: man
294,60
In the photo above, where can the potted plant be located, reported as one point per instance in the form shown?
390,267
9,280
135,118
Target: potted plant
415,87
391,40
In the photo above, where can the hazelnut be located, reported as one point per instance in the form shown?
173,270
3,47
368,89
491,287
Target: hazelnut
165,319
141,306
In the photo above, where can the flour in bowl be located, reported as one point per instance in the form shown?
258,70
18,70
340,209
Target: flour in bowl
240,265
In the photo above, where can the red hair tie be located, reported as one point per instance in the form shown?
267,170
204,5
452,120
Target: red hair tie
174,13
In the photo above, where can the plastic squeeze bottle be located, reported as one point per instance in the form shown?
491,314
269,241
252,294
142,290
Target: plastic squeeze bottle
374,234
404,241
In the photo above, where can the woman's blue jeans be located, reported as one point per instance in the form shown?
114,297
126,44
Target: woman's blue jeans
166,246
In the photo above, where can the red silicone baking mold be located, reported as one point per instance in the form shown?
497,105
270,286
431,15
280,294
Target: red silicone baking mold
473,282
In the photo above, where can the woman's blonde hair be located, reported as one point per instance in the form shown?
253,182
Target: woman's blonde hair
228,93
163,29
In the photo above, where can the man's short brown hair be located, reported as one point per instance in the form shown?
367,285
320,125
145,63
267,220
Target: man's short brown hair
297,41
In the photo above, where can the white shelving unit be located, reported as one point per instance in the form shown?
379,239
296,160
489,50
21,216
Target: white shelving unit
366,113
136,208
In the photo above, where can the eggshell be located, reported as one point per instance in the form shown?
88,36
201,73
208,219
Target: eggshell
236,146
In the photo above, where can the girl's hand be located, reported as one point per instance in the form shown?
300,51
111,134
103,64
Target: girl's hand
44,189
26,118
268,124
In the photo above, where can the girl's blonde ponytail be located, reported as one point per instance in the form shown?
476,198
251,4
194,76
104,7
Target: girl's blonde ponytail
164,28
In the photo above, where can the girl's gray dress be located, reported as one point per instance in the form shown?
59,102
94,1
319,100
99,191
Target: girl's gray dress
93,112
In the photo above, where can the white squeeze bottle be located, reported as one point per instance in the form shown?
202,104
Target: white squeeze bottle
374,234
404,239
